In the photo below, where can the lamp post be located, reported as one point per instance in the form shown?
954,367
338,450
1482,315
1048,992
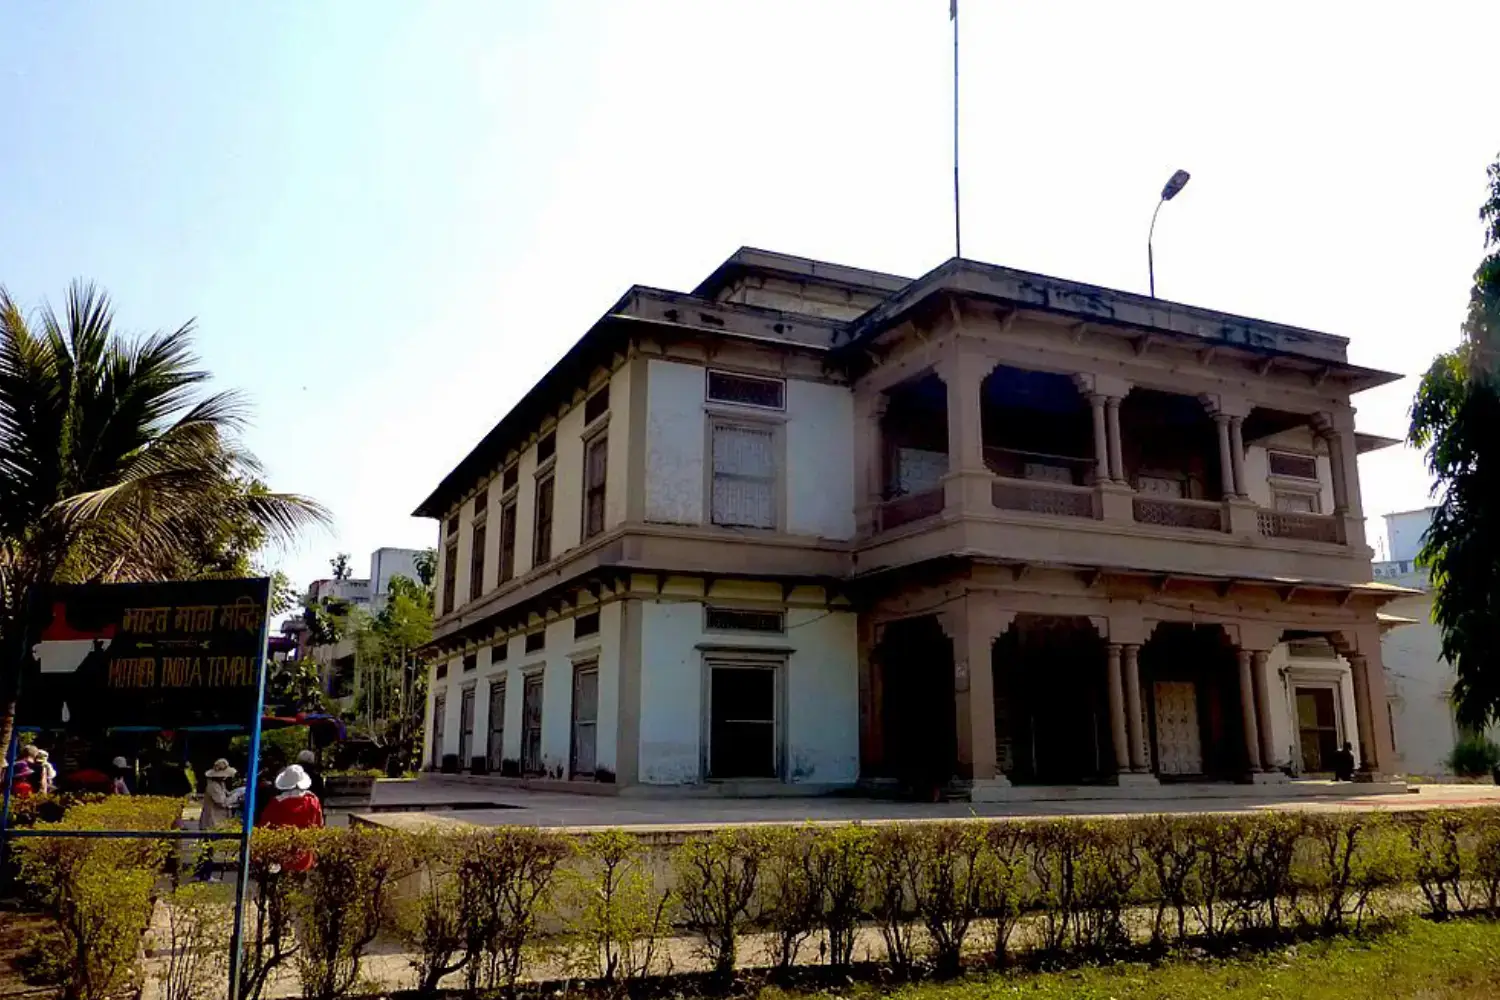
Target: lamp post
1174,184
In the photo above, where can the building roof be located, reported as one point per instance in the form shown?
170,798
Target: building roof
699,312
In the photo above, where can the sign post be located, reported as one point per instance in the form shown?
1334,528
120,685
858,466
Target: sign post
242,886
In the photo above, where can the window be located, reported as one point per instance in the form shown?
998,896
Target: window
596,406
510,477
585,719
499,651
450,576
1292,466
439,709
508,540
481,500
440,671
536,641
595,462
585,625
1295,503
471,662
531,725
742,720
496,746
452,526
742,620
465,726
476,563
747,390
744,475
541,547
546,447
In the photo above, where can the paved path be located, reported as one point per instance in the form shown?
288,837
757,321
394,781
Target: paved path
451,800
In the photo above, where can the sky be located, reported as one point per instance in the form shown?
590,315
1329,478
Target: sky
388,219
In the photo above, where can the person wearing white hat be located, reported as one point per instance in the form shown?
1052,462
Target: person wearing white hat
46,773
294,805
216,807
123,772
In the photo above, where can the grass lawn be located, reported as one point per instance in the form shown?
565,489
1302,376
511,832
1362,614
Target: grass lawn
1415,961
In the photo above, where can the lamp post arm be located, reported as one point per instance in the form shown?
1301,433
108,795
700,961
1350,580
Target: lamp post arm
1150,256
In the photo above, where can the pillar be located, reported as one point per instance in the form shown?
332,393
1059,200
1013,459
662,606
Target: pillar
1118,730
870,466
1261,685
1116,452
1134,720
1237,454
963,376
1226,463
973,628
1101,439
1247,708
1364,713
1336,469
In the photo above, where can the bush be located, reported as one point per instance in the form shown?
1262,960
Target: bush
1474,757
194,936
274,878
717,881
430,921
341,904
505,878
622,915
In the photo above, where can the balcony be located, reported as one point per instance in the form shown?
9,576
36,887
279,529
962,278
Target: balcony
1172,512
1302,527
1057,499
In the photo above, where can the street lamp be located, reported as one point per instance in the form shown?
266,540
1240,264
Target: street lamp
1174,184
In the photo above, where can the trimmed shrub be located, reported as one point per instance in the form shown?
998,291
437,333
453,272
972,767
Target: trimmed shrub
506,878
194,936
1474,757
718,879
622,915
946,876
430,921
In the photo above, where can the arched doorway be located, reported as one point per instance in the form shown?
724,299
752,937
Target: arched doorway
1191,695
915,660
1051,701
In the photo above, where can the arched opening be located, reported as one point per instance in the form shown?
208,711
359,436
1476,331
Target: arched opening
1191,695
1037,426
915,660
1051,707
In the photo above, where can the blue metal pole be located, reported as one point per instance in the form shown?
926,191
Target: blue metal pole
10,780
242,891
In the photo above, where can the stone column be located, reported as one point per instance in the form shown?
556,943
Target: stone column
963,376
1116,452
1237,455
1118,730
1134,720
972,628
1226,463
1247,708
1101,439
1364,713
870,467
1263,708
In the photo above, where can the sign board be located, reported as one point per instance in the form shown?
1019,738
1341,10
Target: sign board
176,656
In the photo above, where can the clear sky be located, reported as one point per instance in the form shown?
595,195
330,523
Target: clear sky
390,218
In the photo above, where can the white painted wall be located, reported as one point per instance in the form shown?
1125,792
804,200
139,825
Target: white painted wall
1404,531
567,512
1419,683
820,459
674,442
821,726
1298,439
1284,673
619,458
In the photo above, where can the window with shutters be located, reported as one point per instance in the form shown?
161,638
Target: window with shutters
439,710
541,547
508,540
450,576
465,728
496,745
531,724
585,719
476,563
746,390
1289,465
595,464
744,475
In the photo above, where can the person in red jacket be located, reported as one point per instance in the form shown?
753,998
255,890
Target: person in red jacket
294,807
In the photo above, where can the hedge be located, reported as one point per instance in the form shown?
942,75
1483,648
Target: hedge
493,907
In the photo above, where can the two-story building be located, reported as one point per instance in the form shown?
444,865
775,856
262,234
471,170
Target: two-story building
811,525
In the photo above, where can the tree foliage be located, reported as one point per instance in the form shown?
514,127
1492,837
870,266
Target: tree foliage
392,693
1455,418
115,464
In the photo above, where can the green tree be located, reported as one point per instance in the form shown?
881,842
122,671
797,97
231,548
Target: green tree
392,683
340,566
116,465
1455,419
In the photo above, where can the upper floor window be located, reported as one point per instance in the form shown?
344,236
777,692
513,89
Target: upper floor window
744,620
546,447
450,575
1290,465
744,475
452,525
536,641
476,563
508,540
471,661
595,464
481,500
510,477
586,625
747,390
541,547
596,405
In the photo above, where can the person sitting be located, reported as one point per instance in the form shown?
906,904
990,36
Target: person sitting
293,807
1343,763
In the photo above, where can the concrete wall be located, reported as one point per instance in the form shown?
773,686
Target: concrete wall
1419,684
818,479
820,704
388,562
1404,533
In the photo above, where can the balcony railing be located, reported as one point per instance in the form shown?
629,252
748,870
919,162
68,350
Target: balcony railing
1304,527
1172,512
905,510
1037,497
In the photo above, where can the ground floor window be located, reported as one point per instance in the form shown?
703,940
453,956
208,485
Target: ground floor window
496,747
1317,728
465,726
585,720
439,709
744,719
531,725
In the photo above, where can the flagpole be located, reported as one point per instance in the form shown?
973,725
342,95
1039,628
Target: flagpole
957,232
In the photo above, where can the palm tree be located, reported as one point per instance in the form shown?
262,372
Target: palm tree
115,465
